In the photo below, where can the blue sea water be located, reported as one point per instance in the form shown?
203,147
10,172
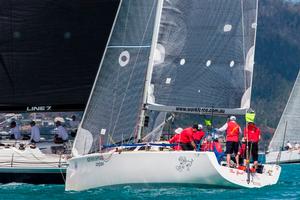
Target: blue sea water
288,187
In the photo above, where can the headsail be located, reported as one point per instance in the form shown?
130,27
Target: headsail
290,118
205,55
117,97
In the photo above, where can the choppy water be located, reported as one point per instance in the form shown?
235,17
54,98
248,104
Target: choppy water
288,187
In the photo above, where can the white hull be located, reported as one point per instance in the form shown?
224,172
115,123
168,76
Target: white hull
163,167
288,156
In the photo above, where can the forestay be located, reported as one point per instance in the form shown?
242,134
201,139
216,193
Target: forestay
112,114
289,119
204,55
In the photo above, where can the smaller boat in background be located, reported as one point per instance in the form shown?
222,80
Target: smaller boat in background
43,163
288,130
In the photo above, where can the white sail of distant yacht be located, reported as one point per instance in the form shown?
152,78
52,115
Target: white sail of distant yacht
288,130
167,56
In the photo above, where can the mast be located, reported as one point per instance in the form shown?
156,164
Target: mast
150,67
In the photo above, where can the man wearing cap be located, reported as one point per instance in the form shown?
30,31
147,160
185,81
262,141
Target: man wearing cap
198,135
61,136
35,133
176,140
233,130
187,138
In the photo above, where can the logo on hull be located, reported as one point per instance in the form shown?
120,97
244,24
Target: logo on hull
184,164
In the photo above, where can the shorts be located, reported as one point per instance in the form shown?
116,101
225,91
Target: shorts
253,148
187,146
232,147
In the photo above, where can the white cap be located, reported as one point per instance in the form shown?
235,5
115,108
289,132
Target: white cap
178,130
200,127
232,118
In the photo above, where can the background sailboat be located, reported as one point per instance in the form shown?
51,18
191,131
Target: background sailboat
288,130
201,56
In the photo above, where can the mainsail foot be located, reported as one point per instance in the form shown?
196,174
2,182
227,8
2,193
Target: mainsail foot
161,167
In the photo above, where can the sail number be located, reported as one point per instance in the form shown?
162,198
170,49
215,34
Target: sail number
98,159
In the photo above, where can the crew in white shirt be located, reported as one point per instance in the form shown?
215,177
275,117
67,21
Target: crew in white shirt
14,131
74,123
35,133
73,126
61,134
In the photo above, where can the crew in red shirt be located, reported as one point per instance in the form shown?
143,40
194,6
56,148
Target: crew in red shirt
176,140
198,135
207,144
242,152
233,130
252,135
186,138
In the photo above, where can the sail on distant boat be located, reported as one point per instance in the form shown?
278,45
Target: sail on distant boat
50,52
166,56
288,130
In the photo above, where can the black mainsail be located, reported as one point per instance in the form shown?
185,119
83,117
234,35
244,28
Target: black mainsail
50,52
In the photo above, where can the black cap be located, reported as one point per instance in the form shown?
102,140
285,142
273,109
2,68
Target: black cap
195,126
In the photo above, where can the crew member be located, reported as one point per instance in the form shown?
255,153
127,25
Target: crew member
35,133
14,131
242,153
186,138
61,135
233,130
74,126
198,135
252,135
288,146
176,140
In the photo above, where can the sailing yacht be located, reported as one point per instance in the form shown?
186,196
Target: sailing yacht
288,130
167,56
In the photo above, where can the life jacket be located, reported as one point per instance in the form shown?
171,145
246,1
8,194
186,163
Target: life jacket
242,150
232,132
218,147
207,146
198,135
252,133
